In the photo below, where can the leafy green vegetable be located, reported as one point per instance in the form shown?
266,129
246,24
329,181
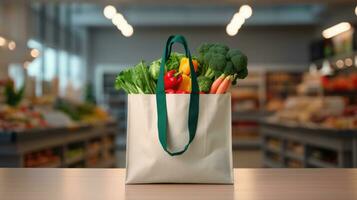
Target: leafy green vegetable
204,83
136,80
13,97
154,69
174,61
74,110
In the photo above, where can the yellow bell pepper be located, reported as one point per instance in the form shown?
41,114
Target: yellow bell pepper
185,65
185,85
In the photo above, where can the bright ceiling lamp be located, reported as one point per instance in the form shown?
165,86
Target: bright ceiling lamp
336,29
35,53
127,30
109,11
231,31
119,20
246,11
238,20
12,45
2,41
234,26
356,10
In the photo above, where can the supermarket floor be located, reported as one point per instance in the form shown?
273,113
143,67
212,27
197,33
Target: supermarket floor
241,159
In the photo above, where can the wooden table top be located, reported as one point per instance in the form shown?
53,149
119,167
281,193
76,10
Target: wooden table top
250,184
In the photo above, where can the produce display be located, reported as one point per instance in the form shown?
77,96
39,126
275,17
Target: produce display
83,112
13,96
217,68
328,112
42,158
295,148
74,153
20,118
346,82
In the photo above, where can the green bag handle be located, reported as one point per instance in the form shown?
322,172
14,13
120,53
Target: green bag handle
161,97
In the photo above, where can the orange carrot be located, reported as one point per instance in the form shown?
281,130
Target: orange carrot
223,87
216,84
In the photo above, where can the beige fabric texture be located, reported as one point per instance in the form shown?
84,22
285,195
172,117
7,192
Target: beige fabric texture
208,158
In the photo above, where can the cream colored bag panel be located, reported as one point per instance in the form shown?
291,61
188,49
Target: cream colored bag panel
208,158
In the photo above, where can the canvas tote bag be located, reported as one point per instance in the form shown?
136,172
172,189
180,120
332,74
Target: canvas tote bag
179,138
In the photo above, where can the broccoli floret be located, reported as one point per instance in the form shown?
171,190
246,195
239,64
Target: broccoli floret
204,48
239,62
233,52
229,70
217,62
204,83
217,59
212,59
242,74
220,49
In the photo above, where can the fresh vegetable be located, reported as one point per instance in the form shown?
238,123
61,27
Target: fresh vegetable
204,83
213,59
185,84
154,69
172,79
217,68
136,80
181,92
13,97
223,87
185,65
216,84
240,62
170,91
217,59
173,61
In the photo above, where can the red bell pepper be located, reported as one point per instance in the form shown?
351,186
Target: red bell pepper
172,79
170,91
181,92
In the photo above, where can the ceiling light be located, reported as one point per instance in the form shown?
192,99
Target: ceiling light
231,30
119,20
127,30
336,29
238,19
109,11
11,45
356,10
246,11
2,41
348,62
35,53
340,64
